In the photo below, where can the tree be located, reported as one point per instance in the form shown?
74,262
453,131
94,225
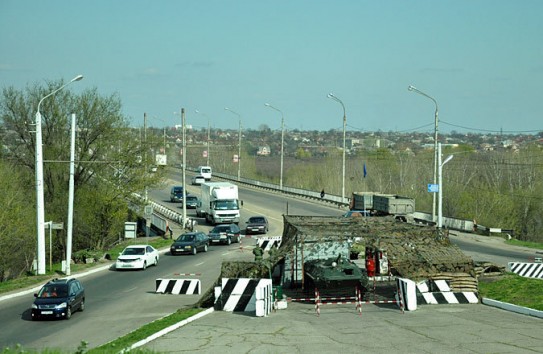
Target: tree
111,159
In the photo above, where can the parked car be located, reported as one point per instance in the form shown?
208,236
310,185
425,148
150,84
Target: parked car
59,298
356,213
257,225
176,194
225,233
190,243
192,201
137,257
197,180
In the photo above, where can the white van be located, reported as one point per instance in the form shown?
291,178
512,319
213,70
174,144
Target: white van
205,171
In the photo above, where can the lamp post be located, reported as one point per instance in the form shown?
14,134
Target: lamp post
440,208
40,208
239,143
208,137
436,121
331,96
282,142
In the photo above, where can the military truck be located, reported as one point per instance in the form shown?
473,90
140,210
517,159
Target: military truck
383,204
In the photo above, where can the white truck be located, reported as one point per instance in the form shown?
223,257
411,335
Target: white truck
219,203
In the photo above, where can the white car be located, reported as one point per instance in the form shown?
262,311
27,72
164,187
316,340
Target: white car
198,180
137,257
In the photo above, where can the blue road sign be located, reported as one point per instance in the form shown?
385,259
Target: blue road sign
433,188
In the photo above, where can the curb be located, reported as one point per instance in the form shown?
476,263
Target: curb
513,308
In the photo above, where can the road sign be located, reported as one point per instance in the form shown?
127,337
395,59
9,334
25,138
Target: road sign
148,211
204,154
433,188
236,158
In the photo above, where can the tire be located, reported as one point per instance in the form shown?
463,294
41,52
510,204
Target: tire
82,305
228,241
205,248
194,251
144,265
68,312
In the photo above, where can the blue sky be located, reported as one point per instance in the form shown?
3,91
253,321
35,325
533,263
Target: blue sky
482,60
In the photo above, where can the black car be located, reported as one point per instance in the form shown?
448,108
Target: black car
225,233
190,243
257,225
176,194
59,298
192,201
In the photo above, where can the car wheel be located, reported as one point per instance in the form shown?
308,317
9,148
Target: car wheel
194,250
82,305
228,241
68,312
144,265
205,248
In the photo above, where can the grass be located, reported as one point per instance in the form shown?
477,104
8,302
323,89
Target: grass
513,289
535,245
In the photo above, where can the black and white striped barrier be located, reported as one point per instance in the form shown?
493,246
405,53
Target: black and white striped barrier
527,270
179,286
430,292
245,295
433,292
267,242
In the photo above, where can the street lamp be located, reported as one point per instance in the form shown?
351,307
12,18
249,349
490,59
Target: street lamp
239,143
40,209
440,209
282,141
331,96
414,89
208,138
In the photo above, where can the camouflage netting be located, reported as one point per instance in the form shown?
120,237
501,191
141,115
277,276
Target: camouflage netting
414,252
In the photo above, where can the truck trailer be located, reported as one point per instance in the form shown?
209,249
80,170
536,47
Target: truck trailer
219,203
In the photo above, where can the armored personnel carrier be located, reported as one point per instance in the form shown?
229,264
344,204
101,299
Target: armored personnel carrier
334,273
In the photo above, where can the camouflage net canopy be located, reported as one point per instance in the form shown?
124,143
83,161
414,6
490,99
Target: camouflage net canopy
414,252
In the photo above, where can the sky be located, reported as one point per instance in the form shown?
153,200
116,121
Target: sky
480,60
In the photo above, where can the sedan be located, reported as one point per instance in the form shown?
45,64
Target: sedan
257,225
192,201
225,233
190,243
59,298
137,257
198,180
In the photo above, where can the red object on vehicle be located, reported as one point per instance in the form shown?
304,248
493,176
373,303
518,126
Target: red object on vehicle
370,266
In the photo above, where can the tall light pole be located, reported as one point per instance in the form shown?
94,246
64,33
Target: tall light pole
40,208
331,96
282,142
440,208
208,137
239,143
184,149
436,122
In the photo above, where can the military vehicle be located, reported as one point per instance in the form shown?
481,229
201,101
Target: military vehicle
334,273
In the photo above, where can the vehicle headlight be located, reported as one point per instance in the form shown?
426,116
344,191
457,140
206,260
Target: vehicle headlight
34,306
61,306
188,246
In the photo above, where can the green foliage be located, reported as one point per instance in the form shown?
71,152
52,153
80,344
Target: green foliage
514,289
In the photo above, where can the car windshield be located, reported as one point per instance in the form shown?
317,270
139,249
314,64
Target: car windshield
186,238
257,220
191,199
226,205
178,190
220,229
133,251
54,291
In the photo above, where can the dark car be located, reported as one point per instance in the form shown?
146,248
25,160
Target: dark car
176,194
190,243
192,201
59,298
257,225
225,233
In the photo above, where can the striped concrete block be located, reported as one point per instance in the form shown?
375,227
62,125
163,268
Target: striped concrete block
267,242
245,295
179,286
527,270
434,292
